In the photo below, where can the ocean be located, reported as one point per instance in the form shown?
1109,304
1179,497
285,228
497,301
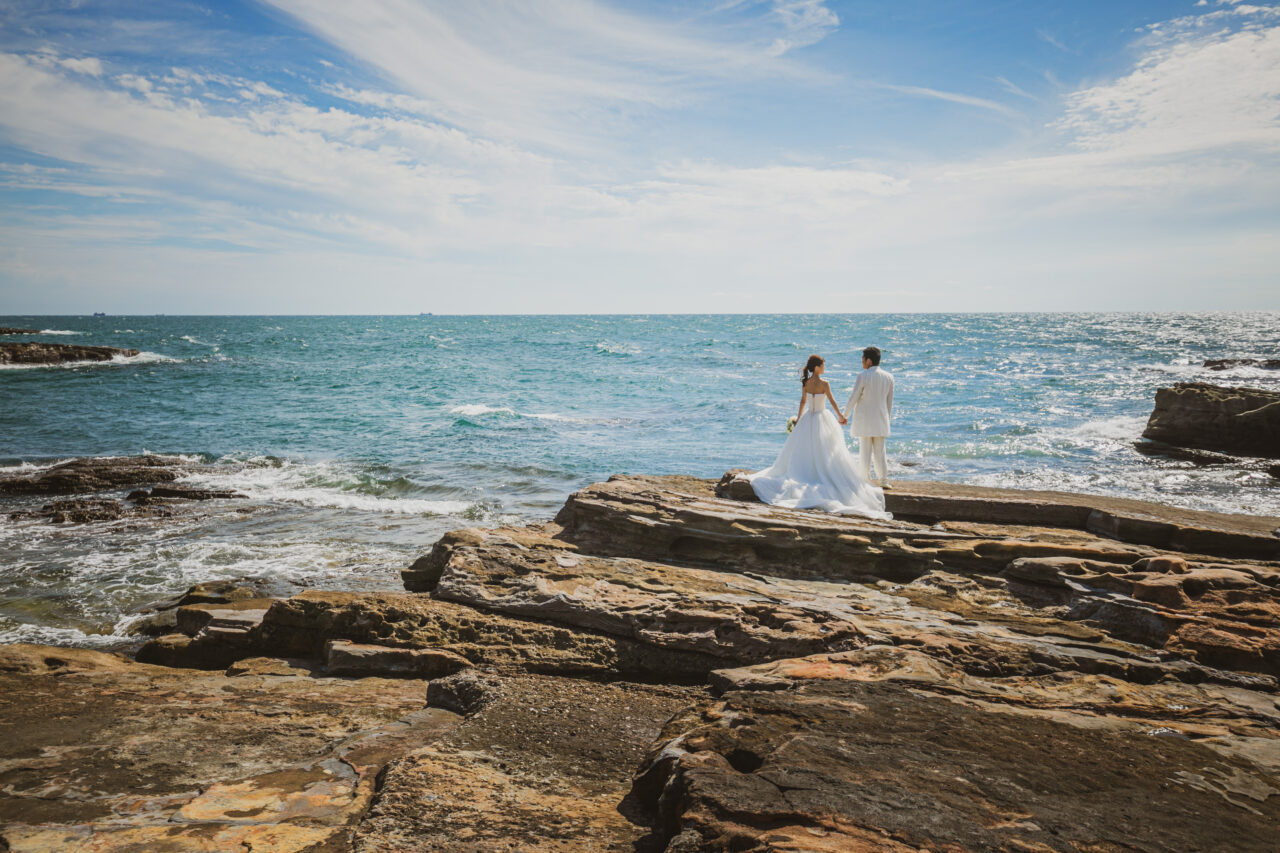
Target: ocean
359,440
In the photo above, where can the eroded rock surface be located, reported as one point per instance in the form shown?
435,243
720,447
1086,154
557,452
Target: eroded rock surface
891,749
1239,421
41,353
122,756
9,330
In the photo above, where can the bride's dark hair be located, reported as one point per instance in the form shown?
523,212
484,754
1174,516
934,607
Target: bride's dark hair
814,361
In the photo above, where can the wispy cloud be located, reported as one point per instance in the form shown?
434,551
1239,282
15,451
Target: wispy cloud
547,72
951,97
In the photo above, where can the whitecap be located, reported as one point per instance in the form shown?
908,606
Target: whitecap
477,409
59,332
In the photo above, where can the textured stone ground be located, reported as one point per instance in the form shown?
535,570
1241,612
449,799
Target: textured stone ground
671,666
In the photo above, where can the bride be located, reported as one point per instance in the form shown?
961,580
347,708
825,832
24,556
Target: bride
815,470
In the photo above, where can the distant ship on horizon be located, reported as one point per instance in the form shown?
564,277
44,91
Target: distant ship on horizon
99,313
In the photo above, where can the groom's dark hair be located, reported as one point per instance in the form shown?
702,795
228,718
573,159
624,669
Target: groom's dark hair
872,353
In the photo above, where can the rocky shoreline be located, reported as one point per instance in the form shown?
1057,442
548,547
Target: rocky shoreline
670,665
41,353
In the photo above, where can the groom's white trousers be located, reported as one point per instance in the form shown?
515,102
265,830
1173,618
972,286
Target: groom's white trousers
869,445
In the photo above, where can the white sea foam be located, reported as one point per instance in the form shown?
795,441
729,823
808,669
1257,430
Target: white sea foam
617,349
59,332
320,485
475,410
49,635
472,410
1118,428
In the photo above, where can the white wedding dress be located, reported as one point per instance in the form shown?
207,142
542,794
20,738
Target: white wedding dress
815,469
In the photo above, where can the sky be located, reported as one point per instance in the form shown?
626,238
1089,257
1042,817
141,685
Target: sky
569,156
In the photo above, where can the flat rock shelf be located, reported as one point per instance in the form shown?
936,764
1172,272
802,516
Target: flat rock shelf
670,665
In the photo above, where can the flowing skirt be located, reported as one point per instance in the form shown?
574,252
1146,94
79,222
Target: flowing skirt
815,470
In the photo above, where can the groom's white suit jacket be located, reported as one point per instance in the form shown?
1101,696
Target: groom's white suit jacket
871,403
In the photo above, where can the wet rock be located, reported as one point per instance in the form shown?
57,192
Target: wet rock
9,330
161,494
1228,363
1201,458
101,753
1274,471
1238,421
85,476
39,353
342,657
86,510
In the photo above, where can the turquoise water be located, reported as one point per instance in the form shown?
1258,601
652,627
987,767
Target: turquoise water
361,439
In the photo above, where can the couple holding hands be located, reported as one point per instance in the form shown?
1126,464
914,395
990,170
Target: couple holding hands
815,469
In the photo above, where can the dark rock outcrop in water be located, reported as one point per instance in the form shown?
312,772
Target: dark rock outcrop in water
1228,363
38,353
665,669
86,476
6,330
1238,421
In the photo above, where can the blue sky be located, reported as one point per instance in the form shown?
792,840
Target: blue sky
546,156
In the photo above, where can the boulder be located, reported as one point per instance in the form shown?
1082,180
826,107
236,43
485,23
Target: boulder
39,353
1238,421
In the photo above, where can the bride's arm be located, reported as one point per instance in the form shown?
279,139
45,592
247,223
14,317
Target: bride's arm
839,416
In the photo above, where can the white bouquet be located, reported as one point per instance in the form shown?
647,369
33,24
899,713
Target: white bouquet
791,423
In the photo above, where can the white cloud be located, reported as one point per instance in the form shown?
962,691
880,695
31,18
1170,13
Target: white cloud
89,65
1132,181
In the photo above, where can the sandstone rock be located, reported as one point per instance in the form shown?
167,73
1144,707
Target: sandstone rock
1005,512
83,476
889,749
1228,363
279,667
39,353
1239,421
101,753
342,657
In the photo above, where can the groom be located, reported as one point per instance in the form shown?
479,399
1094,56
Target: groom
868,412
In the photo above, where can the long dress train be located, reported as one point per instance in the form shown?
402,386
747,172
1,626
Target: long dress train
815,469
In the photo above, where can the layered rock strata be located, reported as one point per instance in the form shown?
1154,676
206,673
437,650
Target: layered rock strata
40,353
665,669
1238,421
